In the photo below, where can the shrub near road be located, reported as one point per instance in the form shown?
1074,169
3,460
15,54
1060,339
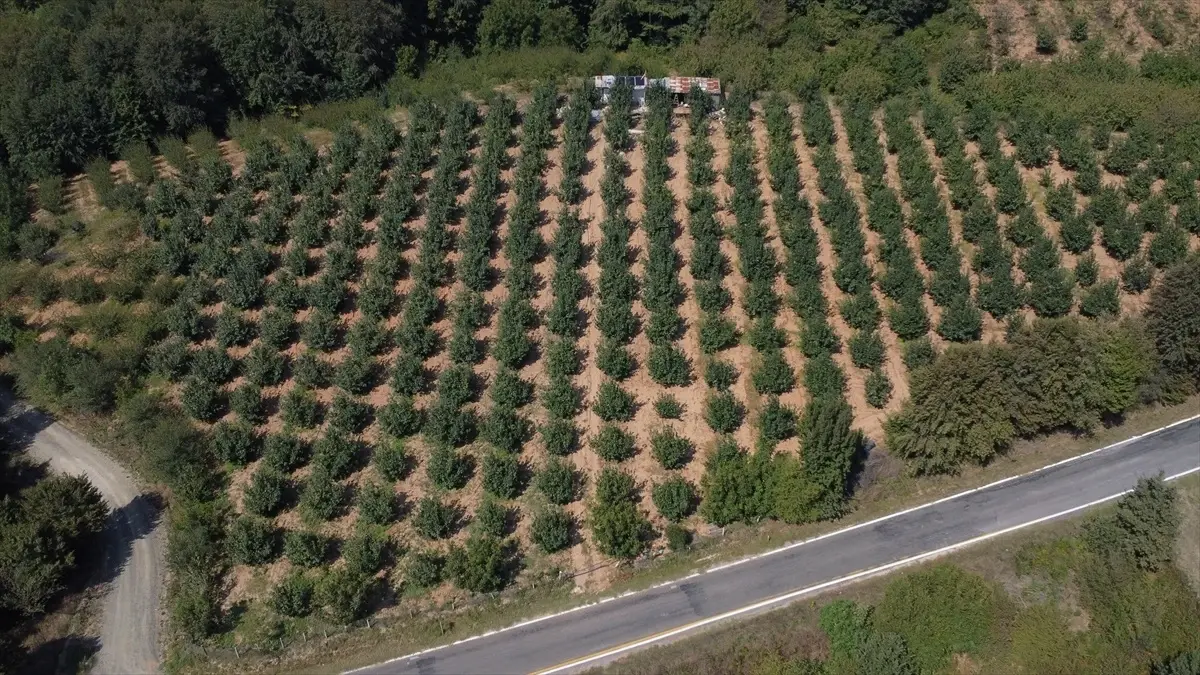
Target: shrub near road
1019,606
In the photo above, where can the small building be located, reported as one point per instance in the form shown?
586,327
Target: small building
679,87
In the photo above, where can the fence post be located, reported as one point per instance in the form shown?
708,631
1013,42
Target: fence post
368,622
235,652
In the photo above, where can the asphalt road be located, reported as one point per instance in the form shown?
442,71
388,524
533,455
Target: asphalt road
134,546
587,637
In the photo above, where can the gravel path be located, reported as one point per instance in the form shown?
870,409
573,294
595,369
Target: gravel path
133,560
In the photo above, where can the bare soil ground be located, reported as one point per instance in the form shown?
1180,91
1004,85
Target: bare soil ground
893,365
583,555
787,319
740,355
892,178
1126,26
691,424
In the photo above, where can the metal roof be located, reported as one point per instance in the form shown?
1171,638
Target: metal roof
675,85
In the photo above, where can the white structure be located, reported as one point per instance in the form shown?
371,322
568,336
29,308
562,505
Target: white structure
679,87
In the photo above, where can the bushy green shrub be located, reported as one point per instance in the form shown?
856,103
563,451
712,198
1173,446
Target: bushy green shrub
613,359
776,421
252,541
509,390
822,376
670,449
878,389
669,366
435,519
502,474
561,437
613,444
557,481
284,452
552,529
919,353
300,408
720,375
613,404
322,497
506,428
305,549
675,498
479,566
293,595
366,552
447,468
491,518
940,612
265,494
561,398
392,460
401,417
668,407
234,442
723,412
377,503
774,375
336,452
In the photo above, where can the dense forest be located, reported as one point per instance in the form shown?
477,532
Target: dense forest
80,78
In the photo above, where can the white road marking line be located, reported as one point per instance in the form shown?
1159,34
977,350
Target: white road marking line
788,547
791,595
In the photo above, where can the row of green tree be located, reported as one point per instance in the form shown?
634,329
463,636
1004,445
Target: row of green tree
973,401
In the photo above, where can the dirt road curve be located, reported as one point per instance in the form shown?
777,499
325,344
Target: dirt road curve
133,553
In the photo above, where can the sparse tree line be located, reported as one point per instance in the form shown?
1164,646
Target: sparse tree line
617,524
558,482
949,287
772,374
900,280
853,274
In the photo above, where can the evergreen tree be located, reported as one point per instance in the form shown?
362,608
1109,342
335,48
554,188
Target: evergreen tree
962,321
828,445
958,411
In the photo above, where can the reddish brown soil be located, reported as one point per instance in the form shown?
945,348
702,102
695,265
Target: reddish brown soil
742,355
892,178
692,396
584,556
865,417
893,365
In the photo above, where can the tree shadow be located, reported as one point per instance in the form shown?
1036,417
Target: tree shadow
126,525
69,655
